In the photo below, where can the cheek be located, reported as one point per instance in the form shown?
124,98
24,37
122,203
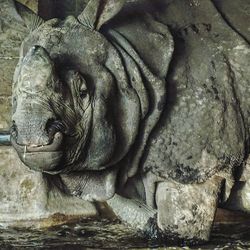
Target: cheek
82,105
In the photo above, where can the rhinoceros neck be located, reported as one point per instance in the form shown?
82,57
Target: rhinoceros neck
152,105
91,185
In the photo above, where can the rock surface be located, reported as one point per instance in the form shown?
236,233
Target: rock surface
25,196
12,32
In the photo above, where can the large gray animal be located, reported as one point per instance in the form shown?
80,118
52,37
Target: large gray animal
147,110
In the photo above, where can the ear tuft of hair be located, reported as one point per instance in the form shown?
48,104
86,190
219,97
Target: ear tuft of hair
99,12
31,20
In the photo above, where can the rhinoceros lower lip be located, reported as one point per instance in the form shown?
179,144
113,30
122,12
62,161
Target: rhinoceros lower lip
42,161
40,158
53,147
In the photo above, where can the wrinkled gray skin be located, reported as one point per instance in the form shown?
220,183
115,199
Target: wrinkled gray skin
146,112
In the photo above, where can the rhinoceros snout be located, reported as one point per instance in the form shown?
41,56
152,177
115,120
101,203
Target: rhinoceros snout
37,156
37,135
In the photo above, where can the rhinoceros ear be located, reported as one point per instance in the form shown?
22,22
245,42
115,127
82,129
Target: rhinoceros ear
31,20
99,12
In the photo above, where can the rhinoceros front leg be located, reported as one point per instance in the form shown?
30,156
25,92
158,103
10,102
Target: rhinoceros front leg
240,196
187,210
133,212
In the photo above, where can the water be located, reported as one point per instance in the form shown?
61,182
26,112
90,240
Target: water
103,234
4,139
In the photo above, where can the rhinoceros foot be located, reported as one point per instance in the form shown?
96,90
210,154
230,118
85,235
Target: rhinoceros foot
184,213
187,211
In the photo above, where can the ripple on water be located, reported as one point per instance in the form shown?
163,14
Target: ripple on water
103,234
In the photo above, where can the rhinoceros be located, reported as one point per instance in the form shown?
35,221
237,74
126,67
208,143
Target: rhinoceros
142,105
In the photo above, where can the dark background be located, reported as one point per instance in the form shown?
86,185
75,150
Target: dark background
58,8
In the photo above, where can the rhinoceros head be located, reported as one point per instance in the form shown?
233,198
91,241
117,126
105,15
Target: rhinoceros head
51,119
61,115
80,103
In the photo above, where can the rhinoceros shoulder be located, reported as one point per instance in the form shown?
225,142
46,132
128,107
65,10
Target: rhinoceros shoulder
150,38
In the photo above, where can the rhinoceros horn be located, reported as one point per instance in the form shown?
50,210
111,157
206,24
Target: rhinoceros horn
98,12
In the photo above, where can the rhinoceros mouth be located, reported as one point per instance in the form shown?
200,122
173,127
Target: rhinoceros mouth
43,157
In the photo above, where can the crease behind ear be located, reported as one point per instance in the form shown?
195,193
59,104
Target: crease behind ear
31,20
98,12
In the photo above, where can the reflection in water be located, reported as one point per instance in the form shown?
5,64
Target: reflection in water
103,234
4,138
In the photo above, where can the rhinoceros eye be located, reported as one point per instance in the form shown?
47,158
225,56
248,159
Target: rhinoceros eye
83,91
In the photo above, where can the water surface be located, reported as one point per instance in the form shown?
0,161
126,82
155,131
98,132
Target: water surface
103,234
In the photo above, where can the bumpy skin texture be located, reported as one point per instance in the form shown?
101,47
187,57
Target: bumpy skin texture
130,124
205,126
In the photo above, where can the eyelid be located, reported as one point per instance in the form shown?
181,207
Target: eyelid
83,85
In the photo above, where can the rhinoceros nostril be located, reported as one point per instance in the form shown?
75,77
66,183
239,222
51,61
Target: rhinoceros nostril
54,126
